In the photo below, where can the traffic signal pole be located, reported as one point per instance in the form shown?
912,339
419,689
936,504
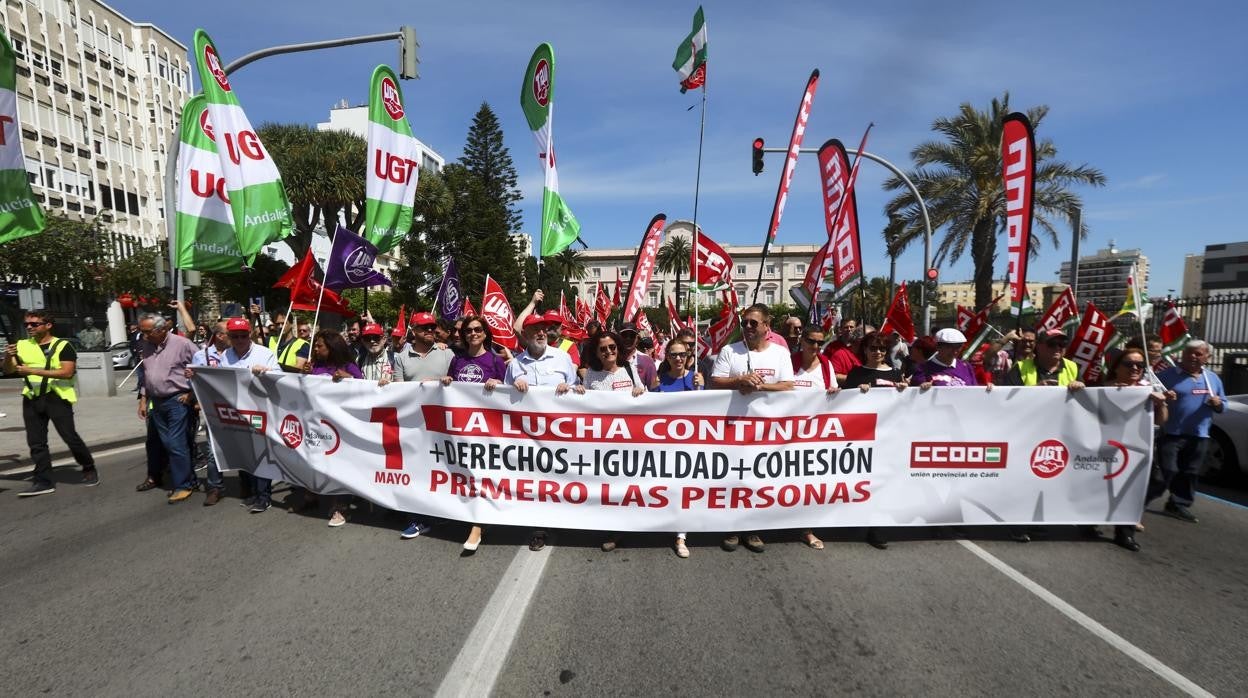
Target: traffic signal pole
407,70
758,149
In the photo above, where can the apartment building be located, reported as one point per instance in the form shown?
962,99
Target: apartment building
1103,277
99,98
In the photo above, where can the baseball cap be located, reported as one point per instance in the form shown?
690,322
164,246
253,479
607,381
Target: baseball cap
553,317
950,335
628,327
1051,333
237,324
371,328
423,318
535,319
396,332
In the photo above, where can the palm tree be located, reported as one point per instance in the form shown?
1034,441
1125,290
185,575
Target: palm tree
323,172
567,266
960,179
673,258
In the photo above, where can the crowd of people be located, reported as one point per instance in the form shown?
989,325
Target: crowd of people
623,359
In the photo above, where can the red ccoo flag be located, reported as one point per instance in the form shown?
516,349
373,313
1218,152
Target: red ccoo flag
898,317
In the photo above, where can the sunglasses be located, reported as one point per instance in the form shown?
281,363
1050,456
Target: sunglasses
1056,343
373,338
812,341
877,348
34,324
752,323
609,349
423,328
1133,365
240,335
473,330
678,354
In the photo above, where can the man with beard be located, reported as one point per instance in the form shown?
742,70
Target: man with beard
376,362
540,365
420,361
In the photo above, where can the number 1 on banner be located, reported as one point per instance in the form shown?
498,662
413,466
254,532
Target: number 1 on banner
389,418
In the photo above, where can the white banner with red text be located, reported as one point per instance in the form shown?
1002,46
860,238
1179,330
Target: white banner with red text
699,461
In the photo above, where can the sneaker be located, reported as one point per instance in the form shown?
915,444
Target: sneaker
37,489
754,543
730,543
90,478
682,550
248,501
337,519
1181,512
180,496
414,529
259,506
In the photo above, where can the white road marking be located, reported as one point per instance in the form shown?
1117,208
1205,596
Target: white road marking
1115,640
480,660
69,460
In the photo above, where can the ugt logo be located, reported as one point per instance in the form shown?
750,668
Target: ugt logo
1049,458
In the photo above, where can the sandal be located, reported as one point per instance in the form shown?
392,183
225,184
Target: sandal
537,541
813,541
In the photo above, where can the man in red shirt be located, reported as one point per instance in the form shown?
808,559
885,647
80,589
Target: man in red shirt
841,351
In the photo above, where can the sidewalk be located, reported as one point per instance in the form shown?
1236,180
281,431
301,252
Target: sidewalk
103,423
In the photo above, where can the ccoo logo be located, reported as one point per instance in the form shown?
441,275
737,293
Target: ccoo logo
214,66
1049,458
390,99
291,431
541,83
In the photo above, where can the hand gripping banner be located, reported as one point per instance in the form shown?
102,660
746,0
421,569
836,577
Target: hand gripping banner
700,461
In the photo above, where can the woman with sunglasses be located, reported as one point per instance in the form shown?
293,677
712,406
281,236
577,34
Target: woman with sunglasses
1128,369
876,371
332,357
675,376
813,371
475,363
605,372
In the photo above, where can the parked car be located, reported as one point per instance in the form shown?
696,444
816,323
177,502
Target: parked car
122,358
1227,458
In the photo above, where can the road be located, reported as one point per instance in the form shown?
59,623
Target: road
111,592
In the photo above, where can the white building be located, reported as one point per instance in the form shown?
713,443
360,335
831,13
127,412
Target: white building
1103,277
98,97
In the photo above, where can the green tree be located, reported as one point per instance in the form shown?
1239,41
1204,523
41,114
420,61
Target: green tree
960,179
381,305
673,258
558,272
323,172
257,281
487,157
67,255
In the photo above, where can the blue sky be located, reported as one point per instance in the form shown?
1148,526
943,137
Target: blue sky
1144,91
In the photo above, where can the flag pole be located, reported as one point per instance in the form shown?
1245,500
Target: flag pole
697,190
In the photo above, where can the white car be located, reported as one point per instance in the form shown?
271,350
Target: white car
121,355
1227,458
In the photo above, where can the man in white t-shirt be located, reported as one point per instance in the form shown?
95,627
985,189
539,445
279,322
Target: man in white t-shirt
748,366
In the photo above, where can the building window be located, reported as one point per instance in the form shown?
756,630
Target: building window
769,296
799,269
595,272
740,270
771,270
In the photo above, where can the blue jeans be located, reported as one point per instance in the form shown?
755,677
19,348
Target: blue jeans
1178,462
171,420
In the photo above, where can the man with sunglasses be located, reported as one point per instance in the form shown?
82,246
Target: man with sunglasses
420,360
1194,393
1048,366
47,365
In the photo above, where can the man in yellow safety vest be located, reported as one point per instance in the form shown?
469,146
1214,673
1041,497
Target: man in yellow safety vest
46,365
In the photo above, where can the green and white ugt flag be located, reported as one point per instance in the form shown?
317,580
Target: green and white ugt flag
204,224
20,216
253,184
537,97
690,60
394,157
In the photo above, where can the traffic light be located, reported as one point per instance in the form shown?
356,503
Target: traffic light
758,156
407,53
930,284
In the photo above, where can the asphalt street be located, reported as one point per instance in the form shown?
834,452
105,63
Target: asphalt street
106,591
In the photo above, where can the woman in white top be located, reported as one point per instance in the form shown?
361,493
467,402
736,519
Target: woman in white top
813,371
606,373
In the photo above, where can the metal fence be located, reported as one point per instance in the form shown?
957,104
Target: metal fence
1220,318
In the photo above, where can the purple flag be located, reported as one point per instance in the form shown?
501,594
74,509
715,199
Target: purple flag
450,304
350,263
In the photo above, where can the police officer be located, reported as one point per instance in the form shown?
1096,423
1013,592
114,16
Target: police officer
46,365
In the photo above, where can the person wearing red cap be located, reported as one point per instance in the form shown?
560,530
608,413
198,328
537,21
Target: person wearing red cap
421,360
1048,366
376,362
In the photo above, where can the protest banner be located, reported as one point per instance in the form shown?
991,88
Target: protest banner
705,461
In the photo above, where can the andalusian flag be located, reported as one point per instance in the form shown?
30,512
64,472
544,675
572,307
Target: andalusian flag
537,98
691,55
253,184
204,224
393,154
20,216
1131,305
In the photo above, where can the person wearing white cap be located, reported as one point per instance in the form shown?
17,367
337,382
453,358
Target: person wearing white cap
944,368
